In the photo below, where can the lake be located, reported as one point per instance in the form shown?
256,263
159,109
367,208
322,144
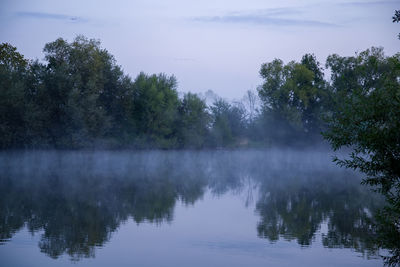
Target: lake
272,207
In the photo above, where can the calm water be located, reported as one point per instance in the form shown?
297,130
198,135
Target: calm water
221,208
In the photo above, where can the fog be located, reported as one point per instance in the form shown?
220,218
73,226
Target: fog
293,193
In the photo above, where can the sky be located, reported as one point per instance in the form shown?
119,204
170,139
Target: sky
214,45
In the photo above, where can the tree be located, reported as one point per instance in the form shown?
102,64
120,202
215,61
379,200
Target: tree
10,59
221,130
368,118
251,102
155,110
228,122
367,121
193,121
76,80
293,96
81,94
13,70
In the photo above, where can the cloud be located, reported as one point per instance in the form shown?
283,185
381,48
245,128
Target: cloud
370,3
263,19
42,15
271,12
272,17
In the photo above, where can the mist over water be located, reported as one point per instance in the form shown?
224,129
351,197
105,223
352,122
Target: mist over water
180,208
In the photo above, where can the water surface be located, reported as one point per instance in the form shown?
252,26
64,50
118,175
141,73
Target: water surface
184,208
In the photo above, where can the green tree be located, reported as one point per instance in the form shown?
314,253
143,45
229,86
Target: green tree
13,70
293,96
228,123
368,118
193,121
155,110
81,94
75,81
36,110
367,121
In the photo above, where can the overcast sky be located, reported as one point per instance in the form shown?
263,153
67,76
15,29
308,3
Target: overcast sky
208,44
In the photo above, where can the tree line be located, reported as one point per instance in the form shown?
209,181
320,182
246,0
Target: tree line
78,97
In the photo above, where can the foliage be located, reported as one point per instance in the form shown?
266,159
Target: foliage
228,123
155,104
368,118
193,121
396,18
78,97
388,228
367,121
293,96
10,59
13,69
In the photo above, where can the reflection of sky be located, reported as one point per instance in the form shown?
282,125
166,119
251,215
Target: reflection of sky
207,44
201,235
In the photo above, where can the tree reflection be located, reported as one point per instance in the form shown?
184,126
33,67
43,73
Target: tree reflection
296,207
79,210
79,199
